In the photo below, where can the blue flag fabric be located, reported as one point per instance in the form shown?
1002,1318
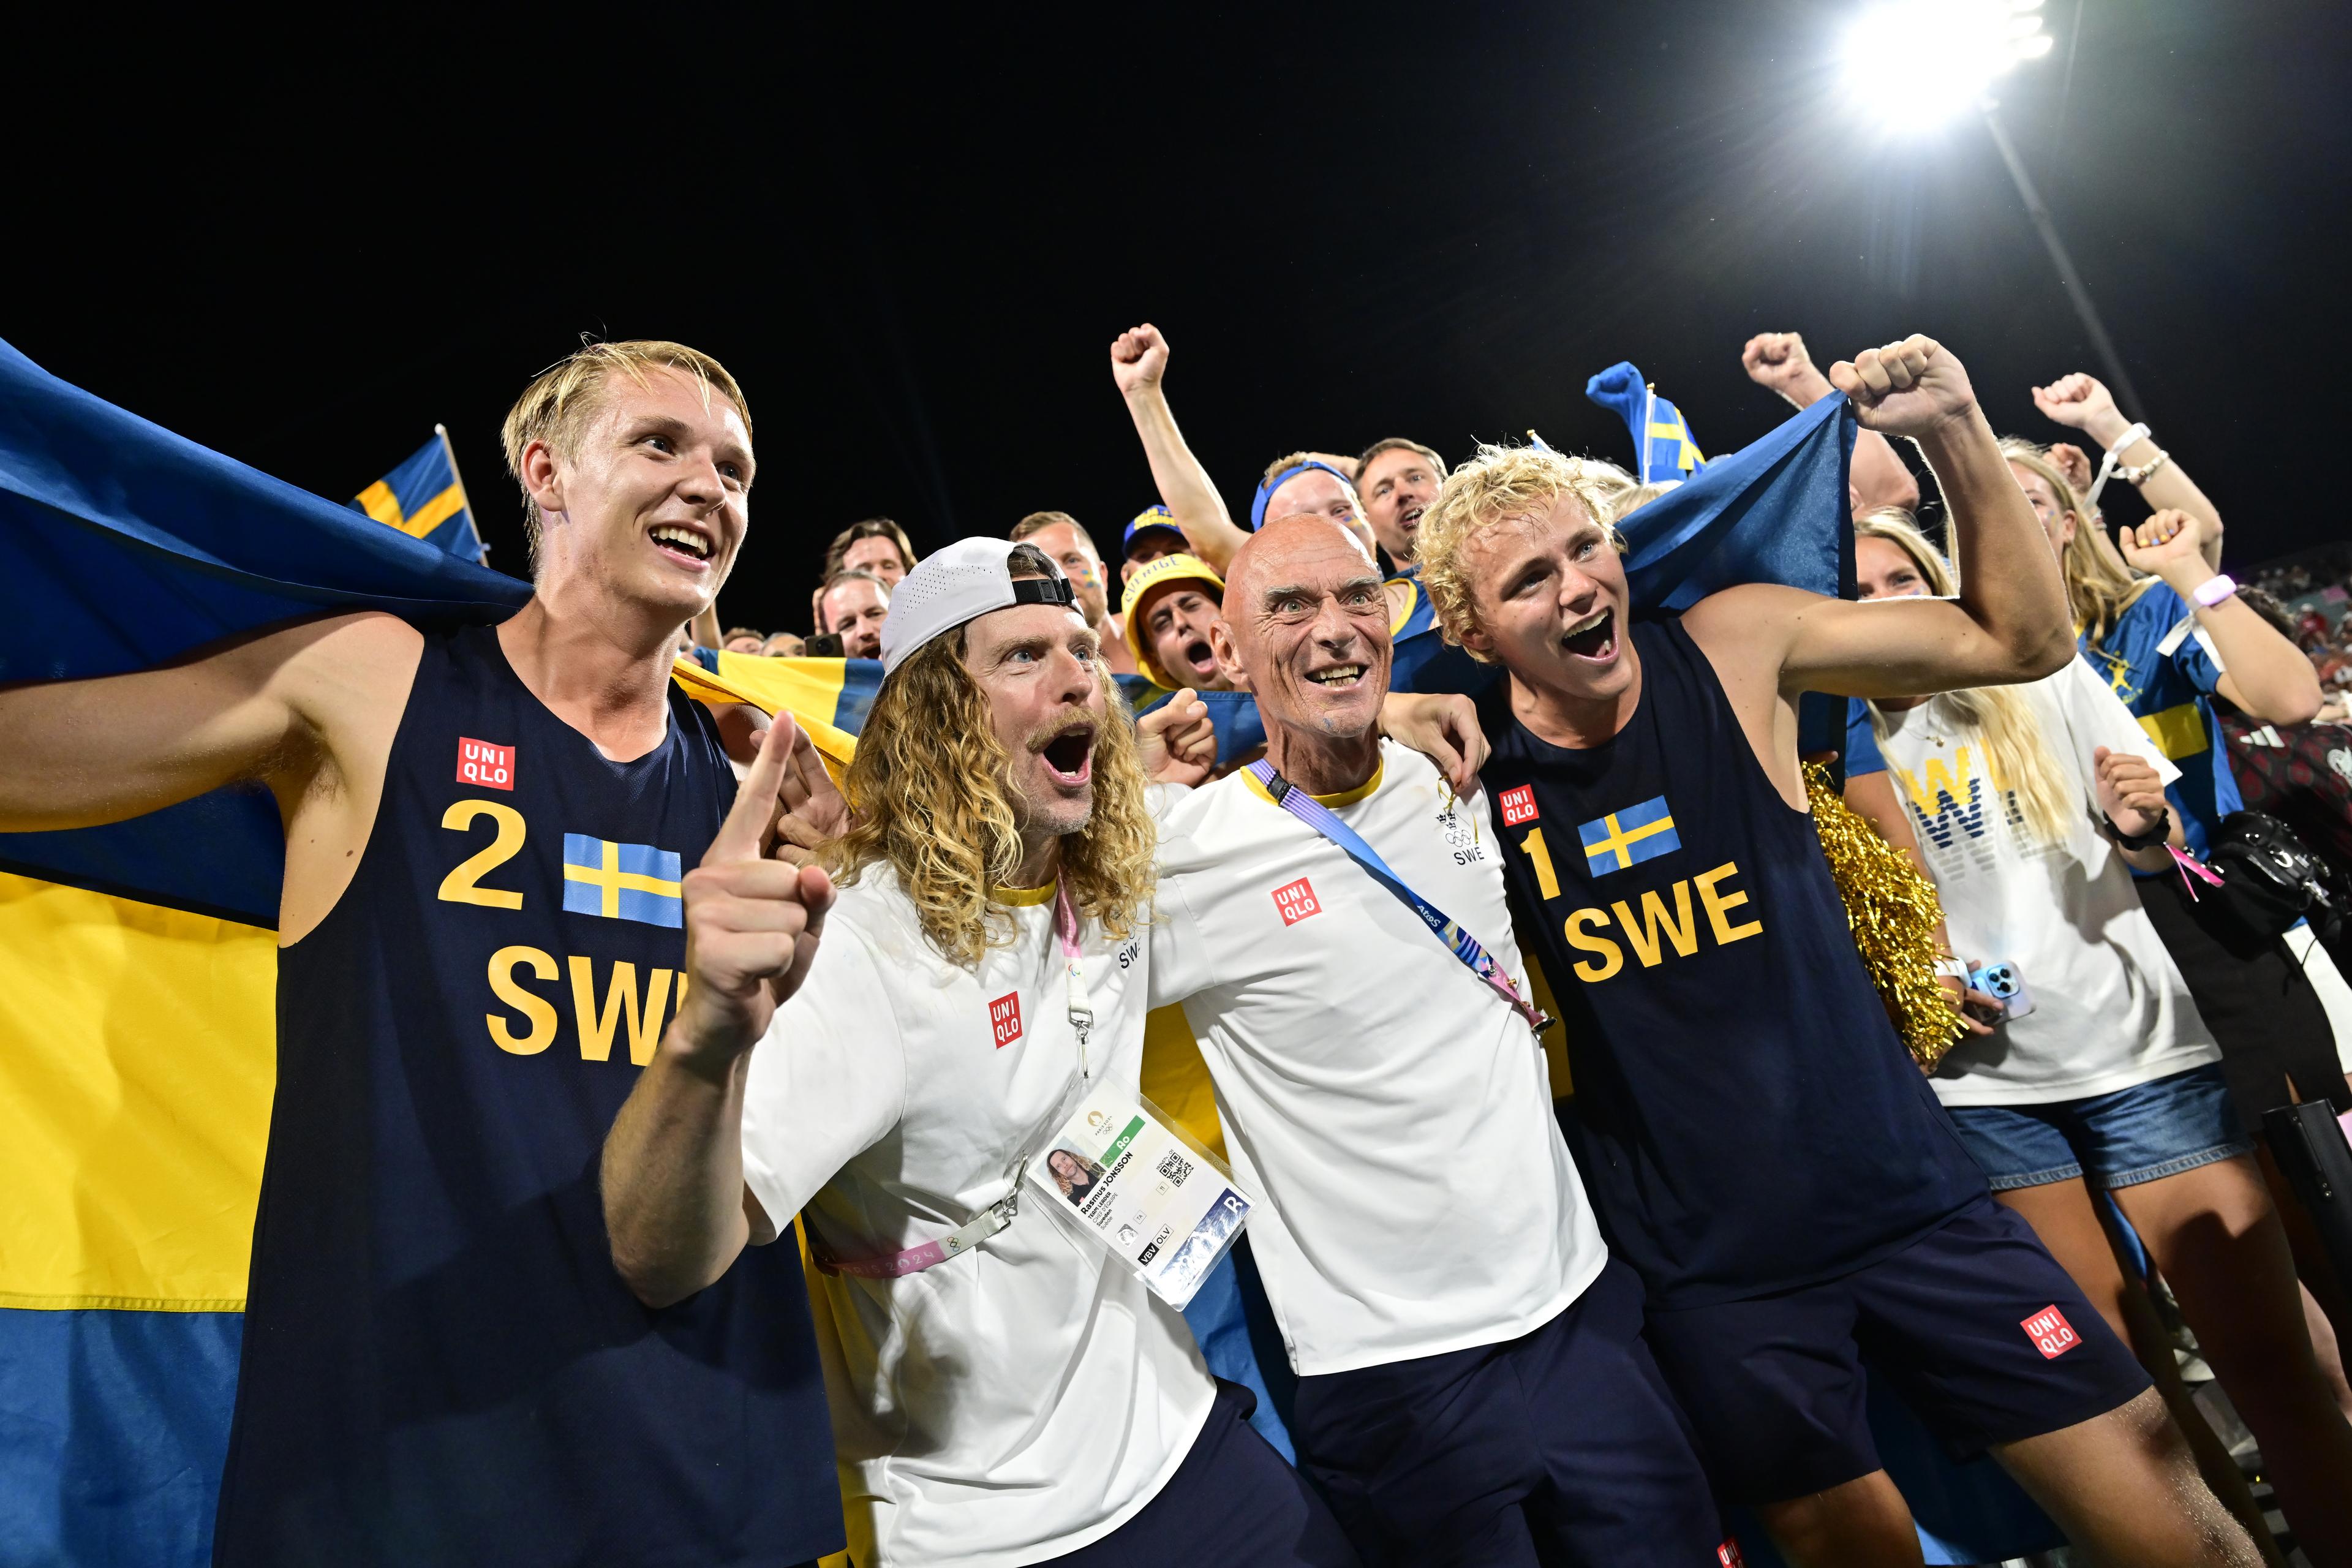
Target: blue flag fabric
423,498
137,969
1663,446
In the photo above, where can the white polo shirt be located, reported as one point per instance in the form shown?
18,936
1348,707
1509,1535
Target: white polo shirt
1022,1400
1391,1113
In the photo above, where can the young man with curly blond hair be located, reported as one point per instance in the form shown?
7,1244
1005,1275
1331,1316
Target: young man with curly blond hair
1003,1392
1757,1141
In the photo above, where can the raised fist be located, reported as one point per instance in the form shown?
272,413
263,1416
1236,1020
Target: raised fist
2079,470
2079,402
1908,388
1778,361
2167,544
1139,358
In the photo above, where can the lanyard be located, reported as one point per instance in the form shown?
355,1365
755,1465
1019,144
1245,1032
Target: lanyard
1460,942
1001,1213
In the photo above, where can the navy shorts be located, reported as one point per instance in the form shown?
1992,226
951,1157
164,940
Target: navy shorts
1559,1447
1974,1324
1233,1500
2142,1133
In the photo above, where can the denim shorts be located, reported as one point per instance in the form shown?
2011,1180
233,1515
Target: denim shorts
2151,1130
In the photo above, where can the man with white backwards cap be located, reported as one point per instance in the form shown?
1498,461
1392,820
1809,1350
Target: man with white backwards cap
1004,1391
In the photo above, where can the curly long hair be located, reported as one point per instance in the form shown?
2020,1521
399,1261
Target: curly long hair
928,786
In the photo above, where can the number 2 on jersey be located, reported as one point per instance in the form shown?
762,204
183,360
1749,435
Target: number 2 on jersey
463,884
1546,878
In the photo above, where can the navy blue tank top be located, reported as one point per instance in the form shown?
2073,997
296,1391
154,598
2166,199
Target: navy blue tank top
441,1366
1745,1116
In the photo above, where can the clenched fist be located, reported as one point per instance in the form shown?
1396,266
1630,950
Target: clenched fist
2082,403
1910,388
1778,361
2129,790
1139,358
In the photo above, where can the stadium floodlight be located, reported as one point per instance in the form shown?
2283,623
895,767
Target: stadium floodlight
1939,56
1939,59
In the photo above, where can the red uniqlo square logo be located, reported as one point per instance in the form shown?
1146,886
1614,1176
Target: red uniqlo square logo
1519,805
2051,1334
1295,900
1727,1554
1004,1017
479,763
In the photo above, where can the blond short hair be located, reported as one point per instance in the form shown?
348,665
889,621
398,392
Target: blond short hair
561,399
1499,483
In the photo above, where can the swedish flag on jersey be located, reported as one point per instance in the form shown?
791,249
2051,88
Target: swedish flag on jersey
1630,837
622,881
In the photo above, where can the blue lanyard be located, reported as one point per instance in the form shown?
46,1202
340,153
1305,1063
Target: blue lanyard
1460,942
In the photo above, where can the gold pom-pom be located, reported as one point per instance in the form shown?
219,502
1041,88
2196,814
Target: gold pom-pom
1893,911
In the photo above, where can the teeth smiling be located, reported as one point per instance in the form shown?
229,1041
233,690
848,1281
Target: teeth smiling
685,540
1588,623
1344,675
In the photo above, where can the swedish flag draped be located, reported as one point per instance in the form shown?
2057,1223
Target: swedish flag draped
138,970
423,498
1663,444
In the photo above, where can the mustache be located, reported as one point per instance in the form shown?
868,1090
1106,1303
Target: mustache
1044,738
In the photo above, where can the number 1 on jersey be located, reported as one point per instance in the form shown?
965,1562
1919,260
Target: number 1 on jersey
1546,878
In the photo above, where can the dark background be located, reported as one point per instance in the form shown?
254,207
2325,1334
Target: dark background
912,235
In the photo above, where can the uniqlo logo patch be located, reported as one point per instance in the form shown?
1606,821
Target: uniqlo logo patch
2051,1334
1295,900
1004,1017
479,763
1727,1554
1519,805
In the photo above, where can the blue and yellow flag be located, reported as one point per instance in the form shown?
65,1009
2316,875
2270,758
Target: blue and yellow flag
1622,838
138,970
623,881
424,499
1663,446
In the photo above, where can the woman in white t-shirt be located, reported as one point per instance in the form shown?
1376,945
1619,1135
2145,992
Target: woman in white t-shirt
2031,805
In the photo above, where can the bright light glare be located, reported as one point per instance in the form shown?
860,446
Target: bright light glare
1935,58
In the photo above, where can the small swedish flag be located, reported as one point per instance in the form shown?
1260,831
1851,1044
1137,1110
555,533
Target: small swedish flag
1627,837
622,881
424,499
1663,446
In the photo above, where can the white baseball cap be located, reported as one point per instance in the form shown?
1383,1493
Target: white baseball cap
962,582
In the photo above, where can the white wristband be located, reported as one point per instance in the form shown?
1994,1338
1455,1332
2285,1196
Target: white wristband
2113,455
1952,969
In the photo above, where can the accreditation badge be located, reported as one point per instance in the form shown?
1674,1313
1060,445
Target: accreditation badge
1122,1172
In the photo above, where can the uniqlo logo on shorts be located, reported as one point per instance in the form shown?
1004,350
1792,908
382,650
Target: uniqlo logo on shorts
1004,1017
1727,1554
479,763
1519,805
2051,1334
1297,902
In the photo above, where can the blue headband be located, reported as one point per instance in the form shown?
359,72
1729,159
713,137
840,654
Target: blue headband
1257,507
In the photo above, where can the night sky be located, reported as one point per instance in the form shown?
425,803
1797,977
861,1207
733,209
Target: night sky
912,235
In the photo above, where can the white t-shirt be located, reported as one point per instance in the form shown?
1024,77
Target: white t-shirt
2110,1010
1018,1402
1391,1112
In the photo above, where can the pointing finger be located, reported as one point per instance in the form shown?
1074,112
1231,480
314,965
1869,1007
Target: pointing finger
746,828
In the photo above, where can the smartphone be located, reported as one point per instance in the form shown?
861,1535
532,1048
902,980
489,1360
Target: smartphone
823,645
2004,982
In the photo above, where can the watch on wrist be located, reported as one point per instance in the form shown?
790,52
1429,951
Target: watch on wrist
2213,590
2153,837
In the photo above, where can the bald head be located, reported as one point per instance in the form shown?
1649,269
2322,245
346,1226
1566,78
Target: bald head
1306,628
